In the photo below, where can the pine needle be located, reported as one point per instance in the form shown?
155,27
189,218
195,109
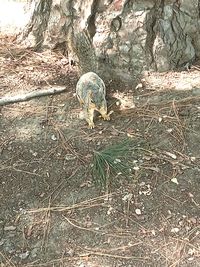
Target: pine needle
111,162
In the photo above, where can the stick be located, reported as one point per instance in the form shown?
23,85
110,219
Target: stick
24,97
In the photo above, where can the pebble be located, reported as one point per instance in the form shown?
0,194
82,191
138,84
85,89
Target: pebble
10,228
53,137
138,211
175,230
69,157
24,255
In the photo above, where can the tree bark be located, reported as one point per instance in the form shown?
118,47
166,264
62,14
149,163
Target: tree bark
120,38
38,24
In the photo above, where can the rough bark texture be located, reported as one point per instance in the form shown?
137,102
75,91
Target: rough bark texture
38,26
121,38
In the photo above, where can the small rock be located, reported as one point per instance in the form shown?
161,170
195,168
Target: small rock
70,252
191,251
169,130
42,194
139,86
117,161
174,180
153,232
53,137
130,135
127,197
190,195
64,61
190,258
136,168
175,230
10,228
138,211
171,155
24,255
117,103
70,157
109,211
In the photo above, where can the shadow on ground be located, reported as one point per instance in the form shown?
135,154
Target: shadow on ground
51,212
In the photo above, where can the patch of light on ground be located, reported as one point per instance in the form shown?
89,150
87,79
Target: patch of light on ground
14,15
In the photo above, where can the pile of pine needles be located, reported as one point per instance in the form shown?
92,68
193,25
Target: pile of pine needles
112,162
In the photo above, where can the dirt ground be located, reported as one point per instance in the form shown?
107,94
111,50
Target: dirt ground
51,214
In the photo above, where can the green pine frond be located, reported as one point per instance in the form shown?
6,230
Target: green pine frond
110,162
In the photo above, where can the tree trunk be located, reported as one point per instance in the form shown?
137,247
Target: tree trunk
120,38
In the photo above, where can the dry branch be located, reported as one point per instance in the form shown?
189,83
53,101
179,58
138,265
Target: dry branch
27,96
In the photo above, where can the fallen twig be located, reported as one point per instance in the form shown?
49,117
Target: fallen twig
27,96
93,202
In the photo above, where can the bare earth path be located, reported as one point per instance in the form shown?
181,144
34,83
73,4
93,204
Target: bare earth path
51,214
